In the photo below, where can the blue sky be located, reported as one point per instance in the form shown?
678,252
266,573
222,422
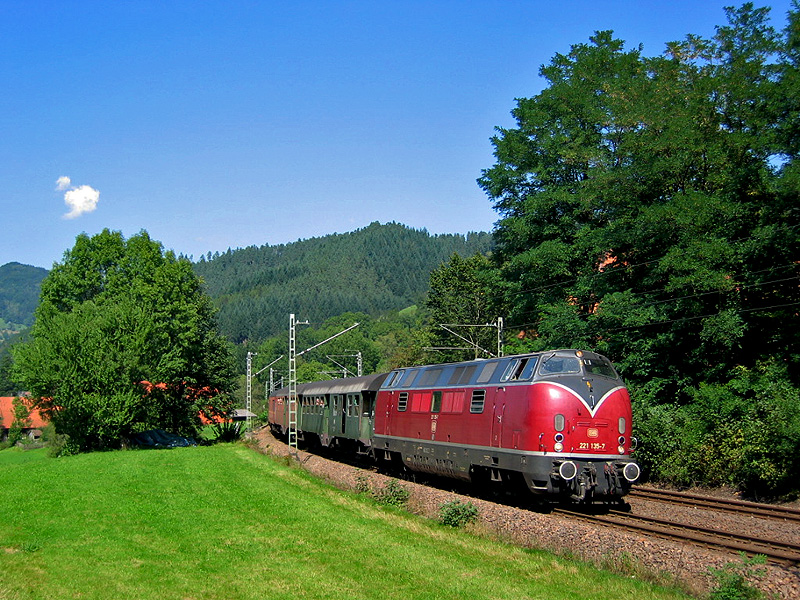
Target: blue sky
228,124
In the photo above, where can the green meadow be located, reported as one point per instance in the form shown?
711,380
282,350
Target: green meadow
225,522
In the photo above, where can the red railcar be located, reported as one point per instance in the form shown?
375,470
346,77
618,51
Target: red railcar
558,421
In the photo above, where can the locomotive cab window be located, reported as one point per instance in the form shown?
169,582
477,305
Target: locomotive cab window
599,366
394,379
556,365
519,369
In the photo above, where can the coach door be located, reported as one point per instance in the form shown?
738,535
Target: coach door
337,415
498,412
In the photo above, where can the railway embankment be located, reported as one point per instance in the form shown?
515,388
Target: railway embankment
630,553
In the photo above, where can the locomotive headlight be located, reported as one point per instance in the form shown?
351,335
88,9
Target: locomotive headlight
558,446
621,449
567,470
631,472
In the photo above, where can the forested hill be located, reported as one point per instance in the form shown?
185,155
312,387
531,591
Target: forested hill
374,269
19,294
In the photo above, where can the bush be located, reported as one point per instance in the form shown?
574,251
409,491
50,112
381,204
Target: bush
744,433
457,514
392,494
732,582
61,445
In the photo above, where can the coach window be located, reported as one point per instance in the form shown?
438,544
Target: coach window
478,400
352,405
402,402
436,402
487,371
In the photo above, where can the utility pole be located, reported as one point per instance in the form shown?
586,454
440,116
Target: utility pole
500,337
293,354
249,397
293,381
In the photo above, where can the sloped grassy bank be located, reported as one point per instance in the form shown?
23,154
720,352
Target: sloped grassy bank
226,522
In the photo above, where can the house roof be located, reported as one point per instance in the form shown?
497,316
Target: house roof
7,415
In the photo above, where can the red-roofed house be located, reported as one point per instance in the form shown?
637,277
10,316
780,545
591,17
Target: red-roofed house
7,418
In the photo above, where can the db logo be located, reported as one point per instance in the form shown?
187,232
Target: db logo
592,433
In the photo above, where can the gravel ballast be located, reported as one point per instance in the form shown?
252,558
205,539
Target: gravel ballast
630,554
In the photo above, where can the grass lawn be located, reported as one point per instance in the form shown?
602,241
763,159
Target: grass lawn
224,522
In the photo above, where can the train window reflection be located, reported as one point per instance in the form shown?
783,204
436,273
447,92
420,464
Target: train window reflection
559,364
599,366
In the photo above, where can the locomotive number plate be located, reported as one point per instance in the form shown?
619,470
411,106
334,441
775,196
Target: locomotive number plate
591,446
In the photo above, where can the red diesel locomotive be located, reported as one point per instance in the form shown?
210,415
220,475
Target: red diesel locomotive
559,421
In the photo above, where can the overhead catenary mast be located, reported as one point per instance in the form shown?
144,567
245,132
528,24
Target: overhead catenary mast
293,354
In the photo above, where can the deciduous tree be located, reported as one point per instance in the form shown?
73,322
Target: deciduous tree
124,340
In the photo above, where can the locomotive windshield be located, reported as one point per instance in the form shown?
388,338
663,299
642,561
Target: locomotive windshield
599,366
558,364
555,365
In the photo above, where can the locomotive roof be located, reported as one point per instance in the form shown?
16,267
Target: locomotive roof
472,372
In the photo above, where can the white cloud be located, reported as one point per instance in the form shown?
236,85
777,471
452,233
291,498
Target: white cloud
63,183
80,200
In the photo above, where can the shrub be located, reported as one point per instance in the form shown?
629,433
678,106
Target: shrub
732,582
457,514
392,494
228,431
61,445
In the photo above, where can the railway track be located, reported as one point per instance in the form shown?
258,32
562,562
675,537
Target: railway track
723,504
785,553
777,552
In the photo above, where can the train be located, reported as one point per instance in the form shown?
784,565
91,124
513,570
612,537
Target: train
556,424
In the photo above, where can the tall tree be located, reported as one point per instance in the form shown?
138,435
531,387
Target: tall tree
464,302
649,210
644,211
124,340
